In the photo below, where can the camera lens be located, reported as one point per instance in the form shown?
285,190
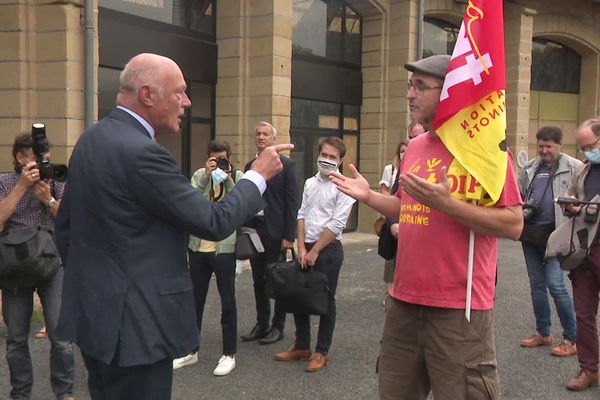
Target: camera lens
223,163
59,173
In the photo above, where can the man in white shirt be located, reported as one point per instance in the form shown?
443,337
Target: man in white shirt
321,219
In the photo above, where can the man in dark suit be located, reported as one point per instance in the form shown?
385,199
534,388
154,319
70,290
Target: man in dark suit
127,295
276,226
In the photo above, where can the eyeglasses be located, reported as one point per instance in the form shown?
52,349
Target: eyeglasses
590,147
420,87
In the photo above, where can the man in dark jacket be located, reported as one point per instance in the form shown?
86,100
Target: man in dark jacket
276,226
127,296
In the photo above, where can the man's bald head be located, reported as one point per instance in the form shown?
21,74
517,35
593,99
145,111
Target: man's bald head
153,87
145,69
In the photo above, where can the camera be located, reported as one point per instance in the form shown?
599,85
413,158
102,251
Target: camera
530,210
223,163
40,147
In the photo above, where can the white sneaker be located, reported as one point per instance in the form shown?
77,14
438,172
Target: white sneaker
225,365
185,361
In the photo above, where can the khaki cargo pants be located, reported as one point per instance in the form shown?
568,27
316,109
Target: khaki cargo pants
428,348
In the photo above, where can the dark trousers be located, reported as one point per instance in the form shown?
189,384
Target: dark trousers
329,262
586,290
202,266
111,382
259,271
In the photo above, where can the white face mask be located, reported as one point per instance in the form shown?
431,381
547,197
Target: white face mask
325,166
218,176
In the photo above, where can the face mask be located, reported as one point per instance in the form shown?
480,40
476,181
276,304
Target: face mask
325,166
218,176
593,156
401,155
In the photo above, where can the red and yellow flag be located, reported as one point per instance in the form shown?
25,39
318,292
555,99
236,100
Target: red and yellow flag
471,116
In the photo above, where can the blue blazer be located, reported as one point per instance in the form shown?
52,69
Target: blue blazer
121,232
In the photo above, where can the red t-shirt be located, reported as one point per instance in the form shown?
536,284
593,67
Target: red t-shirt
432,257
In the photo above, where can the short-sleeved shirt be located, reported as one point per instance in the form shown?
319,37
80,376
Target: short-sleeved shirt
432,257
30,212
388,176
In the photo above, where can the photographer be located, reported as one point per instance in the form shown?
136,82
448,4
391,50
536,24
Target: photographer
26,201
585,185
541,179
207,257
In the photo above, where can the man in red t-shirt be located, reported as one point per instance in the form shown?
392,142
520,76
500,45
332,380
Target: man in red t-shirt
428,344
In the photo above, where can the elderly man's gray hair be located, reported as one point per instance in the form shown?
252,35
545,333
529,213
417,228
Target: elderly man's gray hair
265,123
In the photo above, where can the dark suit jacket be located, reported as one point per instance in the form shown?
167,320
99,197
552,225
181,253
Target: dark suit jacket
121,232
283,200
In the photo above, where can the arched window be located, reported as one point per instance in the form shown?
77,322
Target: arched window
554,67
439,37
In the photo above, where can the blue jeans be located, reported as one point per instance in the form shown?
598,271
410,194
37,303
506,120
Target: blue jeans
544,277
17,307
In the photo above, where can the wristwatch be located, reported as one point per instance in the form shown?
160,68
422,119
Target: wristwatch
52,202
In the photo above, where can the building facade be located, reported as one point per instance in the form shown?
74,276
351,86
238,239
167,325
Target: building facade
311,67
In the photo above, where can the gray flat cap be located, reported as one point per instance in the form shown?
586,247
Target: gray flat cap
434,65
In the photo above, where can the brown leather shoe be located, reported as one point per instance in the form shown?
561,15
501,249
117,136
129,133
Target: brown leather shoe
584,380
565,349
293,354
536,340
317,362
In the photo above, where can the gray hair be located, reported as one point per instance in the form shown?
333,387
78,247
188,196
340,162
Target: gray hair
136,75
265,123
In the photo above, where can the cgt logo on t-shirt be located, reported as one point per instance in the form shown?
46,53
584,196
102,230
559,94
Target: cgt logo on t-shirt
462,186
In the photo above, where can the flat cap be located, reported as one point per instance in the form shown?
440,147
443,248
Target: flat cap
433,65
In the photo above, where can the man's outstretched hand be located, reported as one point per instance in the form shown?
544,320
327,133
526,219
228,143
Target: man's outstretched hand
357,187
267,163
434,195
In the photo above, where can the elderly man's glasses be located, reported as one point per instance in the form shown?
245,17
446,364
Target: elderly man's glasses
590,147
420,87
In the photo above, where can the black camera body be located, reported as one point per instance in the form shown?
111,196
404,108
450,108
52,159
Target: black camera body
40,147
530,210
223,163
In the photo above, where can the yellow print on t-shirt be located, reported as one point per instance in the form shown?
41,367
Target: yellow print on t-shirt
462,186
414,214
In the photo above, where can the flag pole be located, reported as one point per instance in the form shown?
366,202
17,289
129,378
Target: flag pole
470,270
470,274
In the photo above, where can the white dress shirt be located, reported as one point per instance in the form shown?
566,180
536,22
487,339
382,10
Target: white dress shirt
323,206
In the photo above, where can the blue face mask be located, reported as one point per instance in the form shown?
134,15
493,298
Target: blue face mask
218,176
593,156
